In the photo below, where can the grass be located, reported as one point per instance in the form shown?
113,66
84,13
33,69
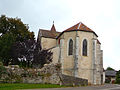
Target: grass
16,86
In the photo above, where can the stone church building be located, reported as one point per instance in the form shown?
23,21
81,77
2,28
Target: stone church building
77,49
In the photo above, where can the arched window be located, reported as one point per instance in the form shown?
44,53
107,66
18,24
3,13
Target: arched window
70,49
84,48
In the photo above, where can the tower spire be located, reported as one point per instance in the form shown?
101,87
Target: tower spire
53,28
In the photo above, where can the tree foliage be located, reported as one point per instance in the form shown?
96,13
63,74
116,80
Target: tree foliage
109,68
16,27
118,77
12,30
29,53
6,42
41,56
22,52
18,45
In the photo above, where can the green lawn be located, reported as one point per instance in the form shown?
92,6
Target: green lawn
26,86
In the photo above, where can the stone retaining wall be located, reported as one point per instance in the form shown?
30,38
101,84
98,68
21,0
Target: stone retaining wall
50,73
74,81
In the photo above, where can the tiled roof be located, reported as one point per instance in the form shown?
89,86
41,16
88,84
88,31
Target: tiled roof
110,73
48,33
54,34
78,27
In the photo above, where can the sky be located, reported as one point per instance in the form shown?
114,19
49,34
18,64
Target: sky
102,16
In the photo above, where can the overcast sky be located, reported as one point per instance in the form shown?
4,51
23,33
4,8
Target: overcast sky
102,16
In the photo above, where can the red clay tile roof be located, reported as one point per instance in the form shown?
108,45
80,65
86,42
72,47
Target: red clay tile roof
54,34
78,27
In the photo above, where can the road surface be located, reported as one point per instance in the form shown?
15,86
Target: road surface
100,87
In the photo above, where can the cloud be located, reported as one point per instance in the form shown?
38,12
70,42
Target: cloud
102,16
10,6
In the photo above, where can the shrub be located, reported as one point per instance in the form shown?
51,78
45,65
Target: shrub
118,77
2,70
107,81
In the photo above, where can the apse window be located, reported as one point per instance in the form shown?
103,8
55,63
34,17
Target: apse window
70,49
84,48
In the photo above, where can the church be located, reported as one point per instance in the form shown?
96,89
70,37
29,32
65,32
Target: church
77,49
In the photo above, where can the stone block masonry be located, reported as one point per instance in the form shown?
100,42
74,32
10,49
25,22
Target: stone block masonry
50,73
74,81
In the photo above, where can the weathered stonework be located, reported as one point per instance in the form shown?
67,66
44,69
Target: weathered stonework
89,67
74,81
50,73
48,42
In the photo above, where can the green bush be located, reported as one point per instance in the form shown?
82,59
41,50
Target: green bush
118,77
2,70
1,64
107,81
117,81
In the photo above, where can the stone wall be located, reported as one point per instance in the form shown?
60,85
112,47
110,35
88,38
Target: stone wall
56,51
50,73
47,43
74,81
84,63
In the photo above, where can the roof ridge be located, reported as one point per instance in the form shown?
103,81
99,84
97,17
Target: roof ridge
49,30
73,27
85,27
48,33
44,29
79,25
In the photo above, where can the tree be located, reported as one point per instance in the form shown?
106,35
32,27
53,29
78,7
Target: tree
22,52
6,42
118,77
29,53
41,56
12,30
16,27
18,45
109,68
